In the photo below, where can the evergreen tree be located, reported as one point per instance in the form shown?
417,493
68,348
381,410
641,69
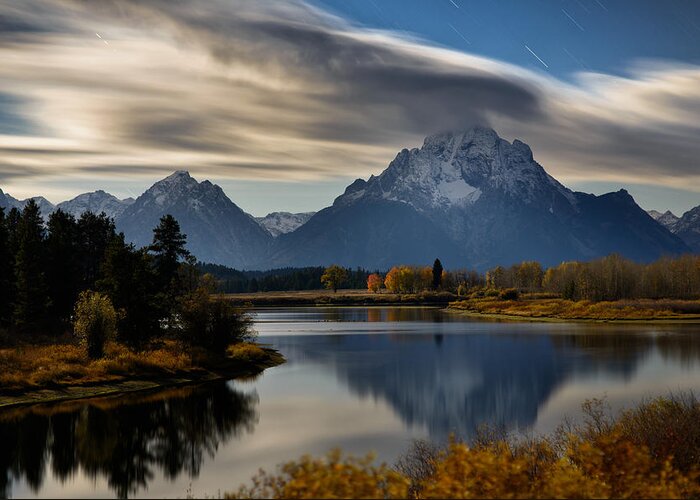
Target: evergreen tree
129,281
95,232
169,249
12,224
32,300
62,270
437,274
6,272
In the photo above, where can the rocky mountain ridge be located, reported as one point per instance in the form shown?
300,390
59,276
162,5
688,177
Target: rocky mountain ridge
470,197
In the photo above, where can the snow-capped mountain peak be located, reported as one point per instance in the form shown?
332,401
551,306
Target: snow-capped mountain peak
96,202
9,202
454,169
217,229
667,219
277,223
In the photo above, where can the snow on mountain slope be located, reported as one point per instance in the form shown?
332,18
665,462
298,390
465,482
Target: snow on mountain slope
474,200
277,223
217,230
688,228
96,202
455,169
9,202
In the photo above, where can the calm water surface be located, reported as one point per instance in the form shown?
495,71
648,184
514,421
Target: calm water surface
357,378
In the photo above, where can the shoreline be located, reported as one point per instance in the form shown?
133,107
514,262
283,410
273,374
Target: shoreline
554,319
311,298
49,395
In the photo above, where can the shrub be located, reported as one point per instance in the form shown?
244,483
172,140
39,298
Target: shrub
602,458
95,322
245,351
333,477
213,324
509,294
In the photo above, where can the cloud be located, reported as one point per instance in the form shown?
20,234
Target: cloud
280,90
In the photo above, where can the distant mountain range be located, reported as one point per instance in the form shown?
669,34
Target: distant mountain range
686,227
470,198
8,203
217,230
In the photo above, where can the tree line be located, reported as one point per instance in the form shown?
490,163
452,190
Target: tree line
283,279
80,273
608,278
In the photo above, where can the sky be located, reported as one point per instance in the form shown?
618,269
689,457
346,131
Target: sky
285,103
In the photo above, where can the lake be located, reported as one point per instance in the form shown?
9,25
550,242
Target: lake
363,379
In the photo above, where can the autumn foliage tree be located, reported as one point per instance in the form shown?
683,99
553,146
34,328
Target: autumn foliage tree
333,277
374,282
95,322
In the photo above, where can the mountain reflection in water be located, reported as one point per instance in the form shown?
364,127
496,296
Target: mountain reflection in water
124,439
456,383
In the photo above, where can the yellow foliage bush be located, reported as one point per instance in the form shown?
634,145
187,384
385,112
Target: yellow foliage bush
333,477
246,351
598,460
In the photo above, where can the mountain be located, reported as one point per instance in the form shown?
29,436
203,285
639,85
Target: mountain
472,199
217,230
688,228
8,203
96,202
667,219
277,223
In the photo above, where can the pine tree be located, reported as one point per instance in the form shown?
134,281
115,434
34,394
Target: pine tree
129,281
32,300
169,249
437,274
6,272
62,270
95,232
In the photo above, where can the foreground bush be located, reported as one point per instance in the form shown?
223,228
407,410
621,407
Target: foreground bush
95,322
637,455
332,477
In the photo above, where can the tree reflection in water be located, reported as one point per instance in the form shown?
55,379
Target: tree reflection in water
123,440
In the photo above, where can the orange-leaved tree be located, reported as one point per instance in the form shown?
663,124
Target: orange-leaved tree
374,282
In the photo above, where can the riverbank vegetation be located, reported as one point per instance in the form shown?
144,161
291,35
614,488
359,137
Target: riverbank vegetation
608,289
532,306
650,451
80,306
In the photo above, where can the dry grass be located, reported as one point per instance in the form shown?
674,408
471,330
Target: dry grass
557,308
27,368
32,367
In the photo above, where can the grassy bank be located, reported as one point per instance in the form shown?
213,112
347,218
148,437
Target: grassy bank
40,373
341,298
557,309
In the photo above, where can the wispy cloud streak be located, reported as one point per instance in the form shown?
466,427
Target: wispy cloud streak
280,90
